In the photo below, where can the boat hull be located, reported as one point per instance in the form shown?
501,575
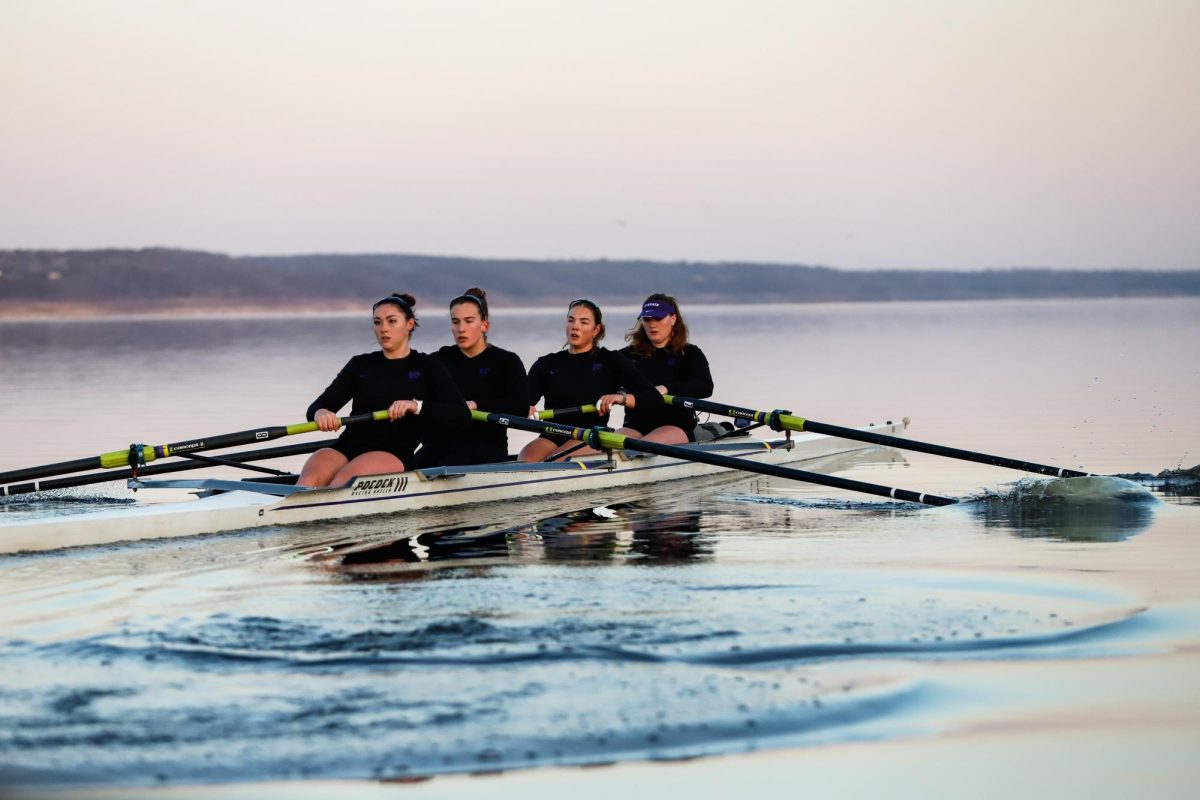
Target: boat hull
403,493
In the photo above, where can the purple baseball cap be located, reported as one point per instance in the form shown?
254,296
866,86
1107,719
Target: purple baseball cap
656,309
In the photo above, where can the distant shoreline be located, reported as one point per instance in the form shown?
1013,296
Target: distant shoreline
50,312
108,283
79,310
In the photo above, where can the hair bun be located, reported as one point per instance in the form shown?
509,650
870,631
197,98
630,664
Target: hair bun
408,298
475,291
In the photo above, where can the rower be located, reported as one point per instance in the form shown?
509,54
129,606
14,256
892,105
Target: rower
489,377
660,350
418,393
578,375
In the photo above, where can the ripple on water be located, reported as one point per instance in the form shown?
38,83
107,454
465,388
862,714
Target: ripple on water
485,671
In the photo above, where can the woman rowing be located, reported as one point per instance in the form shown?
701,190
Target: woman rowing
583,374
659,349
418,393
488,377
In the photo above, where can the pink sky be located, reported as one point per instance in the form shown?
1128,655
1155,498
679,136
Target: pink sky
857,134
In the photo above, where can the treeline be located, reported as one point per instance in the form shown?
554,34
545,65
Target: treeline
159,279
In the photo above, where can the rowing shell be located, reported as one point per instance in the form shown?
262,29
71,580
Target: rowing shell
227,505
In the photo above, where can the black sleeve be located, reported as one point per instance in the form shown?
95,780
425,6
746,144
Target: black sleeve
443,403
634,382
336,394
698,380
536,383
514,388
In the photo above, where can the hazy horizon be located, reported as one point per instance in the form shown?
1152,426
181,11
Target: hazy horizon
869,134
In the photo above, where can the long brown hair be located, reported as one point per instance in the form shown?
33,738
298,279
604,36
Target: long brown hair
640,342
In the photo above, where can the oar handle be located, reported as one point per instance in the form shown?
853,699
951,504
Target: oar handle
311,427
781,421
551,413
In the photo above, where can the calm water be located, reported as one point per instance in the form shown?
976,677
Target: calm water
695,619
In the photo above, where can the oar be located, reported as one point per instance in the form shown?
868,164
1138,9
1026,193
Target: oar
136,454
161,469
551,413
780,421
605,440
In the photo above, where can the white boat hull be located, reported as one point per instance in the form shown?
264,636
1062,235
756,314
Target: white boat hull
399,493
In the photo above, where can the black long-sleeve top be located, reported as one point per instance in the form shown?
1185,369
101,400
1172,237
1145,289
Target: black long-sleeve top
568,379
685,374
372,382
495,379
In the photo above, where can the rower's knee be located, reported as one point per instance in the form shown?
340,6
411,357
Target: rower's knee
667,434
536,450
375,462
321,467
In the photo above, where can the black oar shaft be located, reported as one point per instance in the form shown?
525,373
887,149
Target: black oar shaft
33,473
783,421
121,458
599,438
941,450
160,469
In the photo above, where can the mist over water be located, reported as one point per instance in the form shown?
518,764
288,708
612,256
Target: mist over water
724,615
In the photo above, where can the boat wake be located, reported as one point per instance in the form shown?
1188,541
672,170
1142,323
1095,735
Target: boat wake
265,643
822,504
61,503
239,697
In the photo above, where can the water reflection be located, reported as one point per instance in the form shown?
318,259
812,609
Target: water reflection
409,557
634,532
671,538
1056,518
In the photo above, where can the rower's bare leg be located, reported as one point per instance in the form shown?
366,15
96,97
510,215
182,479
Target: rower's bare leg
664,434
321,467
375,462
667,434
537,450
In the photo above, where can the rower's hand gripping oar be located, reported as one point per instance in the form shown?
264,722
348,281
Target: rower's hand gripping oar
139,455
782,421
601,439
